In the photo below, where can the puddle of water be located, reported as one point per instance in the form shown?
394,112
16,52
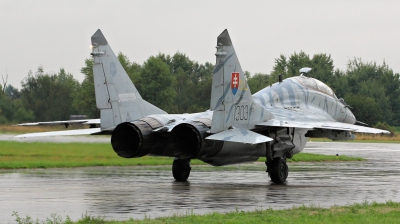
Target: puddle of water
125,192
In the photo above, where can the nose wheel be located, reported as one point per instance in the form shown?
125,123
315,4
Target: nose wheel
181,169
278,170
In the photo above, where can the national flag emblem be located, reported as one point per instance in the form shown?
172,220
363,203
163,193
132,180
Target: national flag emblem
235,82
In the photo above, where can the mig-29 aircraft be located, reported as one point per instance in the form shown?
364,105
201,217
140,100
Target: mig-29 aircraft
275,122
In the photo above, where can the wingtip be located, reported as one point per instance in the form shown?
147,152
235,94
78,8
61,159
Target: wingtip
224,38
98,38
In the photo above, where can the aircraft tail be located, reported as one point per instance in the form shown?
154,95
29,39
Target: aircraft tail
116,95
231,98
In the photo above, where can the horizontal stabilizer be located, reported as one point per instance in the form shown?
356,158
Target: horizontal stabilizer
68,122
89,131
240,135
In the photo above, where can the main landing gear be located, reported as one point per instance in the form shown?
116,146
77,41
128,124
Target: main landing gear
277,170
181,169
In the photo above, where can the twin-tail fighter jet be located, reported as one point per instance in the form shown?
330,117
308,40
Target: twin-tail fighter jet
275,122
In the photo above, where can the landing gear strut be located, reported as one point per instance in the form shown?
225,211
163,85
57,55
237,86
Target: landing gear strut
181,169
278,170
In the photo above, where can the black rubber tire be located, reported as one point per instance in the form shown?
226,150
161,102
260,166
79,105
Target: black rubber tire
181,169
278,170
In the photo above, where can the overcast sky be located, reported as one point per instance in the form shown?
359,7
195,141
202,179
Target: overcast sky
57,34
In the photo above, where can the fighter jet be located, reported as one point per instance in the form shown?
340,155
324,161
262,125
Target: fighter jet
239,127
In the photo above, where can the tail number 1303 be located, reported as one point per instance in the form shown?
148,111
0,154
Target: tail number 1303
241,113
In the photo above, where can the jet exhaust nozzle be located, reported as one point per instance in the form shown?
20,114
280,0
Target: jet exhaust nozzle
186,139
136,139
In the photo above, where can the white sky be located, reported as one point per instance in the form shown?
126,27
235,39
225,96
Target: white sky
57,34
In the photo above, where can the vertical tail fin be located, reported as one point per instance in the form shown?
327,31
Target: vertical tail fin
116,95
231,98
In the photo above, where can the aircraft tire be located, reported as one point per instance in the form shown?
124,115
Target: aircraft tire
278,171
181,169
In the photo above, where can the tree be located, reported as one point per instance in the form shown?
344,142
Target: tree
296,62
364,108
378,82
322,67
6,108
191,80
157,84
84,98
384,126
49,96
258,82
3,87
203,88
21,114
12,92
321,64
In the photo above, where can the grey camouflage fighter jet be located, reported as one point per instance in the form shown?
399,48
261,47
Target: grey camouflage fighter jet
275,122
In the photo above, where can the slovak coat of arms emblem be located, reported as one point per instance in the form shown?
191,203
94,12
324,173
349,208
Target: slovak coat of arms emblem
235,82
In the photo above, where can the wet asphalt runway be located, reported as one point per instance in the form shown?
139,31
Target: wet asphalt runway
125,192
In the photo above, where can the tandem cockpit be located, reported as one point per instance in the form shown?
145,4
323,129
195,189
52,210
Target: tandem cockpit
317,85
313,83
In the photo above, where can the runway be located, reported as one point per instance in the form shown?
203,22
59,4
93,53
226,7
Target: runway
135,192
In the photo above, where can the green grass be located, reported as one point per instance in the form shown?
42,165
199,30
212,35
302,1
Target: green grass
363,140
310,157
11,129
50,155
365,212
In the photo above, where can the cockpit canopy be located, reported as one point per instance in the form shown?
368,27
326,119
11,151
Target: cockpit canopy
315,84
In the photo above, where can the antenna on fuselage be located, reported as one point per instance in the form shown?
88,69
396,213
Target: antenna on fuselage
305,70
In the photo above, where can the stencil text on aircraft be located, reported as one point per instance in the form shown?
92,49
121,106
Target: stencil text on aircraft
241,113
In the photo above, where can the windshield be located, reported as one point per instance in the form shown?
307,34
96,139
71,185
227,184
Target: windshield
315,84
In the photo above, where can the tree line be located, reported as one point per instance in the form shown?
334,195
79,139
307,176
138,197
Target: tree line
177,84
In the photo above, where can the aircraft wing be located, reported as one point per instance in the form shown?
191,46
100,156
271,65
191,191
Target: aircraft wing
66,123
323,125
89,131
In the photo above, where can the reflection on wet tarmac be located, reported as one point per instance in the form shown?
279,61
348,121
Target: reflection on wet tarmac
125,192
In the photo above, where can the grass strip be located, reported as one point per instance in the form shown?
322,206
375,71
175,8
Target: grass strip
15,155
50,155
365,138
365,212
10,129
311,157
